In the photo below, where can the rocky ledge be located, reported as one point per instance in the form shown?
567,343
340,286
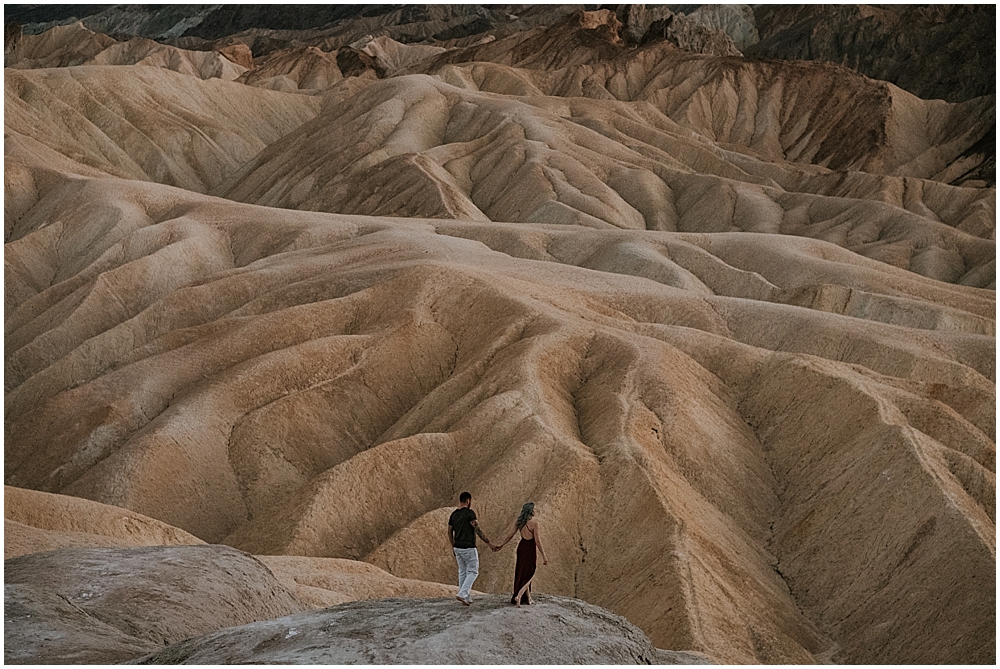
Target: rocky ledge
555,630
217,605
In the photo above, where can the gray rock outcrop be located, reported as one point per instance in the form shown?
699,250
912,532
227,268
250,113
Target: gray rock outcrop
556,630
737,21
644,23
105,605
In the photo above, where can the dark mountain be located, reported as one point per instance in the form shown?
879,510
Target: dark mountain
933,51
47,13
945,52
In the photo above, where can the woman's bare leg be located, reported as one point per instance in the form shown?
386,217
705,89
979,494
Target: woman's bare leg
530,600
520,592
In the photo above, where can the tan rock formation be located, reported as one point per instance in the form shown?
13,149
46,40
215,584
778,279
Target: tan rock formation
451,364
61,46
390,57
416,146
804,112
38,521
74,44
200,64
580,38
728,324
323,582
148,123
237,52
304,68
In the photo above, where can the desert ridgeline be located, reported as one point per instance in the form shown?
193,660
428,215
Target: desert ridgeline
713,286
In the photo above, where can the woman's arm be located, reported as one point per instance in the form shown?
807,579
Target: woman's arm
538,542
513,531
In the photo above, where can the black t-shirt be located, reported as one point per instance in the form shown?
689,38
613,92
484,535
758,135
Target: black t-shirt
461,520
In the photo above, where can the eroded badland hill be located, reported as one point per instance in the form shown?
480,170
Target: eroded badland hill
714,286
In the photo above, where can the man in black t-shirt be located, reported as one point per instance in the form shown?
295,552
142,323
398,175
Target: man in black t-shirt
462,531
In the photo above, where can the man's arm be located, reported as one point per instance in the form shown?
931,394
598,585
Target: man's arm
479,532
451,535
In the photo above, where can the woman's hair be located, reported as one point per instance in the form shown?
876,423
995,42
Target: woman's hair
527,511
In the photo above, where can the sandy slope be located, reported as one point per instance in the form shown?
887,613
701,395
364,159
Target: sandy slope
74,44
149,123
807,112
35,522
753,397
417,146
308,399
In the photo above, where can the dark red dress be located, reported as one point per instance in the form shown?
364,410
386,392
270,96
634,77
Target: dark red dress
524,569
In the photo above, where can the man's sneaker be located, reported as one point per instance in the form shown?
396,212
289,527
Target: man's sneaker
465,602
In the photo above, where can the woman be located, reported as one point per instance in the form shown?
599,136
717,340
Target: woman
524,569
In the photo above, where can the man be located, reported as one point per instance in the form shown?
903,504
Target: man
462,530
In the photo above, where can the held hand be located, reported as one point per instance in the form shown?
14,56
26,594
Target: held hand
544,561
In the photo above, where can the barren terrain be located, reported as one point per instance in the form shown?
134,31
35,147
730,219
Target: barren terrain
729,322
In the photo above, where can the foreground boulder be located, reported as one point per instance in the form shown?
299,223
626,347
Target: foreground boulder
104,605
556,630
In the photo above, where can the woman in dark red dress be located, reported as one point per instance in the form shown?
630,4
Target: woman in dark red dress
524,569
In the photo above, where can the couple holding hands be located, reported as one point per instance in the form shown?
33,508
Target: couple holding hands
462,531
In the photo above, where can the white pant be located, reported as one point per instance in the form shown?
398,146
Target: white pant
468,570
